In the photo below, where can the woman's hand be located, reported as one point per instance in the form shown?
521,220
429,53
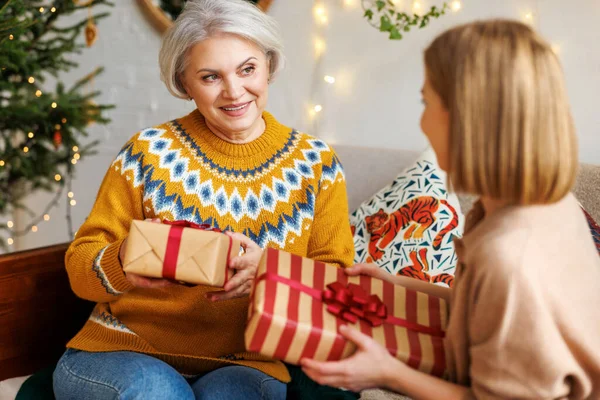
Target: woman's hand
370,270
367,368
245,270
138,280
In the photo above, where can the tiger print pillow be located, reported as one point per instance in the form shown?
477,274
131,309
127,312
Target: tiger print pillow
408,226
594,228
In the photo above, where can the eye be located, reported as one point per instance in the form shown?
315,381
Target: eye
210,78
248,70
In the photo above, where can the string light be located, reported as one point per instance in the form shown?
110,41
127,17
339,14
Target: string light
25,149
30,135
416,8
70,195
10,37
319,46
76,156
1,163
34,229
456,5
329,79
54,105
73,202
31,79
46,217
10,224
41,9
73,161
57,177
318,108
64,121
10,241
38,93
75,148
53,9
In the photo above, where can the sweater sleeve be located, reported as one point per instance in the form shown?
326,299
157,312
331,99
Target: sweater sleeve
516,348
92,261
331,237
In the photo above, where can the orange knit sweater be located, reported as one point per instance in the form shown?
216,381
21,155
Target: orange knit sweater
284,190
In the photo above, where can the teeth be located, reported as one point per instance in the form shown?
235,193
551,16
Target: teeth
235,109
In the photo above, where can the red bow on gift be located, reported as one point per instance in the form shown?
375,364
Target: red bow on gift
352,303
188,224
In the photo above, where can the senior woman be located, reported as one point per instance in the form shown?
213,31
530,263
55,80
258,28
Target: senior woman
229,163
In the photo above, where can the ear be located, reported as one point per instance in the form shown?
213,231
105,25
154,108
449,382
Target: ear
184,85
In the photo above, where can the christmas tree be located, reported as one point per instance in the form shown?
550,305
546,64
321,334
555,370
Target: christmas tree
41,130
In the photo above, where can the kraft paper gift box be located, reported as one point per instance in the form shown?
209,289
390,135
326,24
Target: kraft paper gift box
297,306
180,251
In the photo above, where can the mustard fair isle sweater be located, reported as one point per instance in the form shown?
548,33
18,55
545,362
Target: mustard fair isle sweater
284,190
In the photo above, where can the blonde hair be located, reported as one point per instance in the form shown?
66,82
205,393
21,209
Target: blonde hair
512,136
202,19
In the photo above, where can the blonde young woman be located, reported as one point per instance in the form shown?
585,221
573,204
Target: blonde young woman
524,312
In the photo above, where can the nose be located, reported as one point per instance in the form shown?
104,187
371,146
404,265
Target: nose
233,89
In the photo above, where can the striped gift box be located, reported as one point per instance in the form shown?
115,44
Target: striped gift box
297,306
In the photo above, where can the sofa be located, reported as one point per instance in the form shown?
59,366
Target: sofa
39,313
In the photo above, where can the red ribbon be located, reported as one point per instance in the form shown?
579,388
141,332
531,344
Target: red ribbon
174,242
352,303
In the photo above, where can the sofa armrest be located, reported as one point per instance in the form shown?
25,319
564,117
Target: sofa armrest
38,311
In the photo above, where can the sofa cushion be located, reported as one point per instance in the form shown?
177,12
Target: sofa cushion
408,226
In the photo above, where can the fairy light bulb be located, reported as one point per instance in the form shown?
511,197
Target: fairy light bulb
31,79
329,79
54,105
76,156
53,9
38,93
10,241
319,46
318,108
10,224
57,177
73,203
10,37
34,229
75,148
30,135
42,9
70,195
417,6
46,217
25,149
1,163
456,5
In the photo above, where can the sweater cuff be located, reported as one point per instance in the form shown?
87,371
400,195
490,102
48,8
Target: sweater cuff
110,271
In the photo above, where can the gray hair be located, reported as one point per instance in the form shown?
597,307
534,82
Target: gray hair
201,19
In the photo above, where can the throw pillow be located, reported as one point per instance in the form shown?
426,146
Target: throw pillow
594,228
407,227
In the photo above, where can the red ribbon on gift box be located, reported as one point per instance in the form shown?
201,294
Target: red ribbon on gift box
352,303
174,242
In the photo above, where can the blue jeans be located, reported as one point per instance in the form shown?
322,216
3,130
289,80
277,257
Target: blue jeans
127,375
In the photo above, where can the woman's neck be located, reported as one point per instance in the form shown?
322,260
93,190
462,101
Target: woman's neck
491,205
242,137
